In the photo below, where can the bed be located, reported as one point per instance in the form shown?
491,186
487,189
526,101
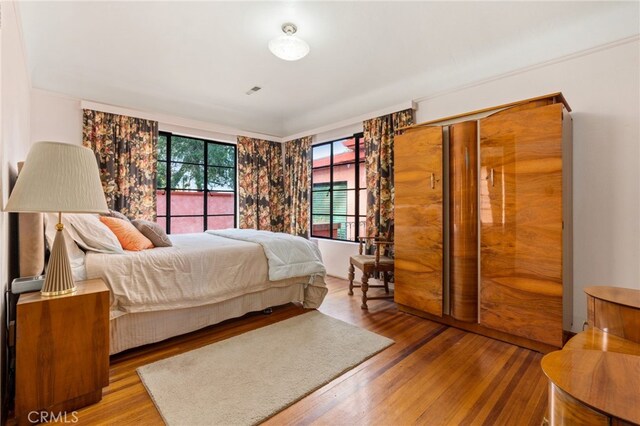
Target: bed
202,280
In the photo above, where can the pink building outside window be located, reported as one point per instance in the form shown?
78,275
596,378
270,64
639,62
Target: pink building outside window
338,198
196,184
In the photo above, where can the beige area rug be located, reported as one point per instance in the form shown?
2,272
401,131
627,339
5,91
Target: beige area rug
248,378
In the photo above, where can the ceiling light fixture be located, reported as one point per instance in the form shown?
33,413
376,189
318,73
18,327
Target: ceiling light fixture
287,46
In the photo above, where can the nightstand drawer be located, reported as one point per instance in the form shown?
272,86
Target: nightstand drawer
62,349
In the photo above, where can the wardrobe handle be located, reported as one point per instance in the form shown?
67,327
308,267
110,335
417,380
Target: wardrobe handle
434,180
490,177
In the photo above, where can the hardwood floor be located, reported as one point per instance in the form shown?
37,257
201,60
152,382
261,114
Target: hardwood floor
433,374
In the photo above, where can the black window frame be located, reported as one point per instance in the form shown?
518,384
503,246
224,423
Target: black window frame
169,189
357,189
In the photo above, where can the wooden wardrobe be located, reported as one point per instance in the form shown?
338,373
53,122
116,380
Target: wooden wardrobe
483,230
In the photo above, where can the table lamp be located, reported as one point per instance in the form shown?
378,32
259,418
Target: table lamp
58,178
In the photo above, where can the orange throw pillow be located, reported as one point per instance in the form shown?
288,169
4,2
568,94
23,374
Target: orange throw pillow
130,238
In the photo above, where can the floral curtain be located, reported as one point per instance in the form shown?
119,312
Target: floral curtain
297,181
260,184
126,151
378,146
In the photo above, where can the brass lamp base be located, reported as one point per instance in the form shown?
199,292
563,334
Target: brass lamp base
58,280
57,293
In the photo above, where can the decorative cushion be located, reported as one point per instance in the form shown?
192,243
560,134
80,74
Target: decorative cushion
117,215
90,234
130,238
153,232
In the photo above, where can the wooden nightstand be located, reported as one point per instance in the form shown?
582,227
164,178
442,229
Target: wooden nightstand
62,350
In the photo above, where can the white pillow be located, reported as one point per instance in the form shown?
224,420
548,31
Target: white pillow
76,256
93,235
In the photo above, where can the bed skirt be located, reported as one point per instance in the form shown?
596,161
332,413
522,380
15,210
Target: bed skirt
137,329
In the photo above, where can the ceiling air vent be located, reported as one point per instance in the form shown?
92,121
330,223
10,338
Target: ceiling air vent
253,90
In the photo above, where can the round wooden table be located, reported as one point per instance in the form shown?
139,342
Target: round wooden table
592,387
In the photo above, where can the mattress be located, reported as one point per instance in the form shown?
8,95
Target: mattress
200,269
202,280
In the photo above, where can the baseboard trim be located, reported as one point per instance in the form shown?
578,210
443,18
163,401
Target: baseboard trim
523,342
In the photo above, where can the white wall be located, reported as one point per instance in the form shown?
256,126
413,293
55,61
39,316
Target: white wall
15,87
603,89
55,118
58,117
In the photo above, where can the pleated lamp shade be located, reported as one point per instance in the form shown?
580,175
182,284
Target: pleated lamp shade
62,178
58,177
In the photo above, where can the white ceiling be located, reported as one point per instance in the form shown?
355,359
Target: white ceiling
197,59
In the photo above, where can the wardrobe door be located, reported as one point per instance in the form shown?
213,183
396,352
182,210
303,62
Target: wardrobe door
418,219
463,221
521,223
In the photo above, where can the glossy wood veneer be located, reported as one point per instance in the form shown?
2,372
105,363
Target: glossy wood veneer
551,98
629,297
615,310
418,212
463,221
521,217
598,340
606,382
472,327
62,350
566,410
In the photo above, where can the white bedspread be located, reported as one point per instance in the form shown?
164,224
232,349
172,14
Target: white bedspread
288,256
199,269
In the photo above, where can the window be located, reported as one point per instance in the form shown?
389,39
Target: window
196,185
338,184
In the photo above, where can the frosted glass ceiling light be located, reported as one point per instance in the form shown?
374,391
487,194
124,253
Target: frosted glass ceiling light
287,46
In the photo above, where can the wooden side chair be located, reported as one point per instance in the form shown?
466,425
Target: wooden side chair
380,262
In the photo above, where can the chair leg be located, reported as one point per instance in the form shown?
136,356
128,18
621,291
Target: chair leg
385,277
365,288
351,276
